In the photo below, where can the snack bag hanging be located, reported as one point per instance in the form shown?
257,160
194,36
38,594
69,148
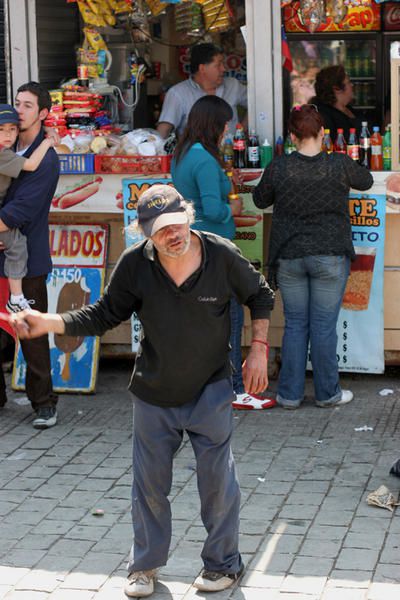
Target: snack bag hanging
93,39
217,14
103,9
337,9
89,17
312,14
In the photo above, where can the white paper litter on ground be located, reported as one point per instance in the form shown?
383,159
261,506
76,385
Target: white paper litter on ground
386,392
383,498
17,456
363,428
21,400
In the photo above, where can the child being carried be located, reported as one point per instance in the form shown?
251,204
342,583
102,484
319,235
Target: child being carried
11,165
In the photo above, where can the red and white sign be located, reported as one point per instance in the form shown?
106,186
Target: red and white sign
78,245
391,16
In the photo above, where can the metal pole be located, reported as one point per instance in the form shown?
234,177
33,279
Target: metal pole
7,53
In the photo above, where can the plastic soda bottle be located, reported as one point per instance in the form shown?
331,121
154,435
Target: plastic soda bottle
353,149
239,148
227,153
387,149
327,145
265,154
279,146
365,145
253,151
376,150
340,143
289,147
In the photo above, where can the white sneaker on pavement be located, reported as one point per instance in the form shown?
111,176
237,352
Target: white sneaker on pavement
249,402
210,581
346,397
140,584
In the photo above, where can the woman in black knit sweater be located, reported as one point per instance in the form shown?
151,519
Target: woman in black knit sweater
310,253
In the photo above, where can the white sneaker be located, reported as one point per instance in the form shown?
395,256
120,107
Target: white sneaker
23,304
209,581
346,397
140,584
249,402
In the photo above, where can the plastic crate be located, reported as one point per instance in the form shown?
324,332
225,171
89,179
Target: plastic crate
132,165
76,163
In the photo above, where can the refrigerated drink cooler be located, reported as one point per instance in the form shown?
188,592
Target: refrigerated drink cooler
358,53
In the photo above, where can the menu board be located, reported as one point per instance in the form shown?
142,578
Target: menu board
360,324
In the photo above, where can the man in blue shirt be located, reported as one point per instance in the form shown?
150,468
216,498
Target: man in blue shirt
26,207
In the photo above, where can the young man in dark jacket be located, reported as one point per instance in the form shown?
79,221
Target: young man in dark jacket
26,207
180,283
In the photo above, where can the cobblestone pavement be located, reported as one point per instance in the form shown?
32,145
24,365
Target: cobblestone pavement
306,530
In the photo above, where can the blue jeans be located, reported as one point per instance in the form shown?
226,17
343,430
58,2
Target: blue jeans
235,354
157,436
312,289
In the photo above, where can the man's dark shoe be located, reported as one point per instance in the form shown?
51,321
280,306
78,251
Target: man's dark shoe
210,581
45,417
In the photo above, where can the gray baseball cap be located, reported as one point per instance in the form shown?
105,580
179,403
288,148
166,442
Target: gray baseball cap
159,206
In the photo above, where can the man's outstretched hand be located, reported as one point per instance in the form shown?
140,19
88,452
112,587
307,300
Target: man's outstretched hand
30,324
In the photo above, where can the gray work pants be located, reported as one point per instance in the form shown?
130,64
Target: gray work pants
158,435
15,253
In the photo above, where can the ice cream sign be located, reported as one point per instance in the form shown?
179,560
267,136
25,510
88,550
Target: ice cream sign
79,261
85,244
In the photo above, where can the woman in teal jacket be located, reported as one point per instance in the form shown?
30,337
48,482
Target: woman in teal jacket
197,173
197,170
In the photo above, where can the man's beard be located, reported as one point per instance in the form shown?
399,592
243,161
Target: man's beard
177,253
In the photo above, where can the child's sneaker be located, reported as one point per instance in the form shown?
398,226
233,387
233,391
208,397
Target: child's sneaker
22,304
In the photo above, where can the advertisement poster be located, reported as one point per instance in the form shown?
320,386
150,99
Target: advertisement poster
79,260
90,193
132,189
357,18
360,326
249,224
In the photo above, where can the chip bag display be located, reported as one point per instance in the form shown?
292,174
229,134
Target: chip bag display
94,39
89,17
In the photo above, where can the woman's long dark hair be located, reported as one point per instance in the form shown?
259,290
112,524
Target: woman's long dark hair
206,123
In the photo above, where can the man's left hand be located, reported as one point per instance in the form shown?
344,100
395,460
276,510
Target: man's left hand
255,370
2,246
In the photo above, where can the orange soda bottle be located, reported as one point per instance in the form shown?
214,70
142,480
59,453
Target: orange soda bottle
376,150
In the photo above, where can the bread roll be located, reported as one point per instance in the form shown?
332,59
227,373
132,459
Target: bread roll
62,149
